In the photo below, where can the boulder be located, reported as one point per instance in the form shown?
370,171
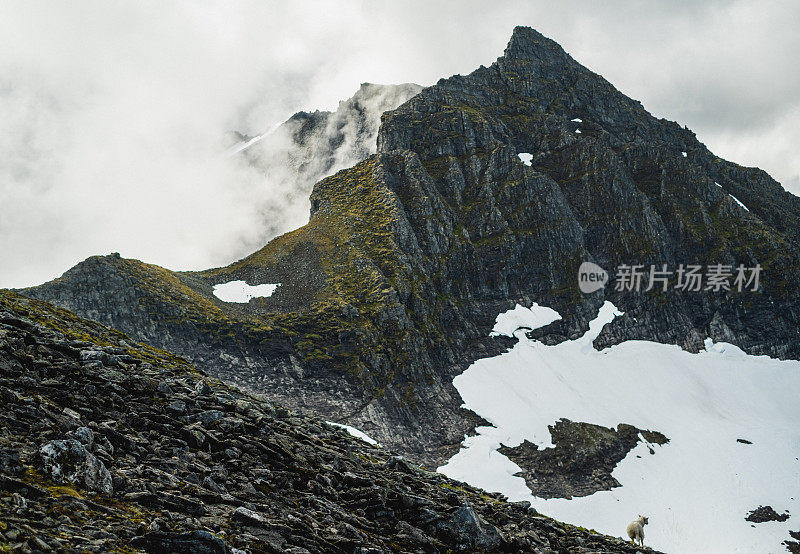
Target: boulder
465,527
196,542
69,461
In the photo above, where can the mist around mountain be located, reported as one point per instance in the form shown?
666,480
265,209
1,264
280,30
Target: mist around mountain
312,145
487,192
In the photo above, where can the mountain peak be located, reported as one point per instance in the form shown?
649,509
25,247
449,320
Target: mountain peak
488,190
528,43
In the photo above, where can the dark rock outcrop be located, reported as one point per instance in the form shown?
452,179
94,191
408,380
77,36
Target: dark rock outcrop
582,459
229,473
763,514
391,288
194,542
793,544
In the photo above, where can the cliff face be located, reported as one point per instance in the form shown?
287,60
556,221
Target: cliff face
626,189
109,445
392,287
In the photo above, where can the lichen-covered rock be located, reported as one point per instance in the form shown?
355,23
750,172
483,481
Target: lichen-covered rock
68,461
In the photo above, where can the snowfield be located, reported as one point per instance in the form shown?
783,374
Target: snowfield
241,292
696,489
734,198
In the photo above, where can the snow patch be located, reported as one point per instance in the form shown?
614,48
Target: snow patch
578,131
355,432
525,158
738,202
698,488
241,292
520,317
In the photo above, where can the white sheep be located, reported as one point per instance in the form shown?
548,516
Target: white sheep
636,530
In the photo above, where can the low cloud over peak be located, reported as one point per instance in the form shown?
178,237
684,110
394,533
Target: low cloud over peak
115,117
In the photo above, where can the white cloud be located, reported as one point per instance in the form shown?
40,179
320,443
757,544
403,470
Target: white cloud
113,114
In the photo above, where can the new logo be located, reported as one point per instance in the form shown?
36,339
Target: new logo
591,277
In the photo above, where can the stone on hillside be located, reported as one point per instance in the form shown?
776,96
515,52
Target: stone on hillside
196,542
248,516
468,528
69,461
85,436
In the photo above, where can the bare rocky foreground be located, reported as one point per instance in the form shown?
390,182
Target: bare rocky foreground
108,445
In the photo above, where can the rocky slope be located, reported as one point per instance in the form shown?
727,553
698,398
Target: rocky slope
109,445
392,287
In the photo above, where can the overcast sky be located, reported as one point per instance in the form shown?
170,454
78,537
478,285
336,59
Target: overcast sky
113,114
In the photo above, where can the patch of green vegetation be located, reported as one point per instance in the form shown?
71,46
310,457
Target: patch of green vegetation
74,328
353,232
33,477
59,320
482,495
116,509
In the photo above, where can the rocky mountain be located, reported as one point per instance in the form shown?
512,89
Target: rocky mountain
108,445
392,287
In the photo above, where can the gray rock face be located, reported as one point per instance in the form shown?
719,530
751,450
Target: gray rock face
620,192
763,514
69,461
392,287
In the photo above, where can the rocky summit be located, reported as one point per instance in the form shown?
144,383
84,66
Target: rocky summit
108,445
393,286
